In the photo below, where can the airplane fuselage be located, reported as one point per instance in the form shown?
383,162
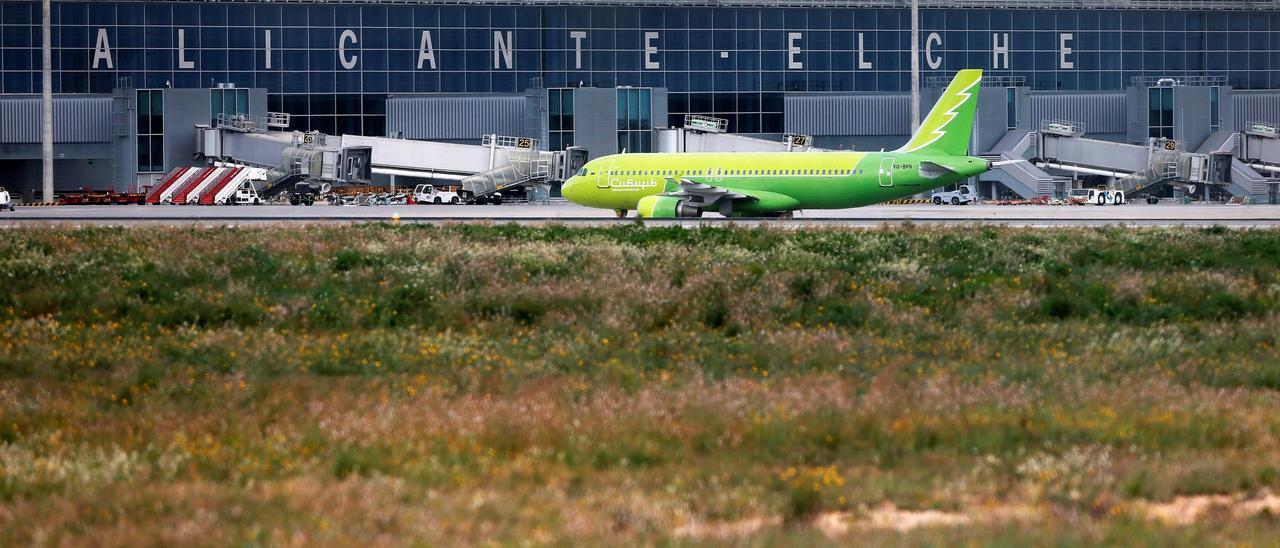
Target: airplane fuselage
779,181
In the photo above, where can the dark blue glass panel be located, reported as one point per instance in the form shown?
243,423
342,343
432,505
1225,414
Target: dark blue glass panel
375,125
478,18
701,18
213,14
652,18
453,82
19,13
321,82
324,38
294,16
323,59
267,15
320,15
376,38
290,37
243,37
102,14
373,60
373,16
209,38
159,14
628,19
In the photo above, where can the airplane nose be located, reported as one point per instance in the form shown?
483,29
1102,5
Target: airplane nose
571,189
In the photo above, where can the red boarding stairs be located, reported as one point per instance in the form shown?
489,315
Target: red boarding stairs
176,173
206,198
180,197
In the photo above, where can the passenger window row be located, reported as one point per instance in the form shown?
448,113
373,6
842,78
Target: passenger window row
733,172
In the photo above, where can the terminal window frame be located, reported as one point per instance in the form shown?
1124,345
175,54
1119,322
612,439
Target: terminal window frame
634,117
560,118
150,130
1160,106
228,101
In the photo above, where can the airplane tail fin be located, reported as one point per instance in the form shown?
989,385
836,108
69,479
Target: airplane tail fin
949,125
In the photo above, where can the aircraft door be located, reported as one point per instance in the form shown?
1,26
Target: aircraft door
886,172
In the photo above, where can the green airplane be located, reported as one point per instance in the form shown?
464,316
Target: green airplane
773,184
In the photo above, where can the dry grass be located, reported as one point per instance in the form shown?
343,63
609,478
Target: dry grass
464,385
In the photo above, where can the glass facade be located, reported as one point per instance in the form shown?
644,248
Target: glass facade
559,118
227,102
150,131
1160,104
634,120
332,64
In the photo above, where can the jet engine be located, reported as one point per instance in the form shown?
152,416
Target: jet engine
665,207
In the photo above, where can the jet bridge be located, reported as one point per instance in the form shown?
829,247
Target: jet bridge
1253,177
1060,146
498,163
1259,152
293,158
1012,155
709,134
290,158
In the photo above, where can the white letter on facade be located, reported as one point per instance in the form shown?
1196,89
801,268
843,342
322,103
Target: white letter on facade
342,49
102,51
999,50
1064,51
863,63
183,63
266,35
650,50
793,50
501,47
426,52
933,38
577,36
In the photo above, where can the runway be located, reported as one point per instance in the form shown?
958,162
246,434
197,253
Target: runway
1253,216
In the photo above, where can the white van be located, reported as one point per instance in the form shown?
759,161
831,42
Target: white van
6,201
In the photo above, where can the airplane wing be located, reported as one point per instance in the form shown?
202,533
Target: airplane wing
705,196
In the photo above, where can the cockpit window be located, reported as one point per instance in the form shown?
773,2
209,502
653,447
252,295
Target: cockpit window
582,172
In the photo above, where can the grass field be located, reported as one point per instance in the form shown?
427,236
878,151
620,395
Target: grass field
500,384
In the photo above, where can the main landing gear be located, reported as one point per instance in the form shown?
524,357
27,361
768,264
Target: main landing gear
620,213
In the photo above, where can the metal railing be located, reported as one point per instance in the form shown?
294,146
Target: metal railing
1262,129
1197,80
706,123
506,141
241,122
278,119
1066,128
988,81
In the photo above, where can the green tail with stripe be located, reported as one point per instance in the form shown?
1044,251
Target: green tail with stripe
949,126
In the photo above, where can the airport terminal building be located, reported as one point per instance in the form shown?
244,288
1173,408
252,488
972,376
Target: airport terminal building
130,77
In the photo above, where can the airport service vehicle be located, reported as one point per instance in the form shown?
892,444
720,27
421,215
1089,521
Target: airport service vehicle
6,201
490,199
773,184
245,196
962,195
427,194
1097,196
